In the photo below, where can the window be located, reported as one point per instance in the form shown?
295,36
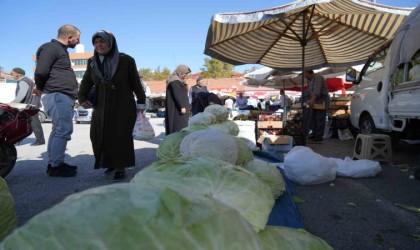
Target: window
79,62
377,62
414,68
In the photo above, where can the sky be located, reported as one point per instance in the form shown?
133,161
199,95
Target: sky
156,33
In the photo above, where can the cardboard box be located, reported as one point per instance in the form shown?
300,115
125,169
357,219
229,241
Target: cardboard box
279,139
276,143
270,124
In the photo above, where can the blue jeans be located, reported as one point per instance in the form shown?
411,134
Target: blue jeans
59,107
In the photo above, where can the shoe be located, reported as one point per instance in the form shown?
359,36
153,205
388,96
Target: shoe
37,143
119,176
109,170
64,164
62,171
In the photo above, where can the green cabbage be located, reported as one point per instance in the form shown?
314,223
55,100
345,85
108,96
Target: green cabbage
245,154
214,178
290,238
8,220
228,126
268,174
169,147
193,128
233,127
135,216
219,111
202,118
212,143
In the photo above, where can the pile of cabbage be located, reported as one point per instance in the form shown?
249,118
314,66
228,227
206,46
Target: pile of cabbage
7,210
206,192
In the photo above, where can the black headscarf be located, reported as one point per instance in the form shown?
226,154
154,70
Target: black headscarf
106,69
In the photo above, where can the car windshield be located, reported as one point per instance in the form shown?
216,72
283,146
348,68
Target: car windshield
377,62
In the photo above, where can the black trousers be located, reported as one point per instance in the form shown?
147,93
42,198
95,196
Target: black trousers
317,124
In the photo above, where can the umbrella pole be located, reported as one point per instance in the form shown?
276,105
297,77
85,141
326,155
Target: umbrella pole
304,109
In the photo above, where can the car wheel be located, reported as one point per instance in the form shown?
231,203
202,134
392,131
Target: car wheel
42,116
367,125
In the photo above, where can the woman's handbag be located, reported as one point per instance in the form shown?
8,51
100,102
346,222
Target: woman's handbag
143,130
92,95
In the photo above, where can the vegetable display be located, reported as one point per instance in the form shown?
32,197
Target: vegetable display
232,185
206,192
135,216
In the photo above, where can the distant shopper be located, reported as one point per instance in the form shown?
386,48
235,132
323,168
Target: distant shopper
318,95
205,99
114,115
24,94
241,101
177,103
199,87
56,81
229,105
284,100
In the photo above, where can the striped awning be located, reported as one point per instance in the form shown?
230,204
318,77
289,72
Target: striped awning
333,33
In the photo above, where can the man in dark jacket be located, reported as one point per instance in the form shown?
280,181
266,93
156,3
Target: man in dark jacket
199,87
56,81
23,94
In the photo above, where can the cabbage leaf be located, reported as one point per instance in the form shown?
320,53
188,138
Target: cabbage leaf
268,174
8,220
214,178
135,216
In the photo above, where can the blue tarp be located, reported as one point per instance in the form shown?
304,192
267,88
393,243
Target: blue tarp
285,212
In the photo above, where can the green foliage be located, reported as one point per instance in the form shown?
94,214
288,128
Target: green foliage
214,68
156,74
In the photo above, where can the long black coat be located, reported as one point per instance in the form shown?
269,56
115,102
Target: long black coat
114,116
176,99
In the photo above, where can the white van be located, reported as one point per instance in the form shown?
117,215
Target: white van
387,95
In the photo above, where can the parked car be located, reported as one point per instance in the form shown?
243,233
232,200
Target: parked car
387,96
82,115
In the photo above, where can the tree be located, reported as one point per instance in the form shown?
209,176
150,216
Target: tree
214,68
156,74
147,74
253,68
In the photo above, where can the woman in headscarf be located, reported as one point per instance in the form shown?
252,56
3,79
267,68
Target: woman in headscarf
114,111
177,103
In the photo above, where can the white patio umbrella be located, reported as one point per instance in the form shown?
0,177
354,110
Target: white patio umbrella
306,33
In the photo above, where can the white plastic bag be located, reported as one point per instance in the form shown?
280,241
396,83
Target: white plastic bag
305,167
345,134
357,168
143,130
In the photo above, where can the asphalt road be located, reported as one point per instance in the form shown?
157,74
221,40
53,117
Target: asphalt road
347,213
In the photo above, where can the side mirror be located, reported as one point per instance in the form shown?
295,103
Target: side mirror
351,75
